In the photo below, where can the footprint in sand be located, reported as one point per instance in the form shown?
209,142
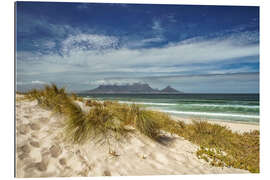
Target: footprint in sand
40,166
107,173
34,135
34,126
26,116
29,167
55,150
45,153
25,149
23,129
44,120
34,144
23,156
63,161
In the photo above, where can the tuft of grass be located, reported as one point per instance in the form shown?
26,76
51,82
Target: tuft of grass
109,120
91,103
50,97
76,129
146,124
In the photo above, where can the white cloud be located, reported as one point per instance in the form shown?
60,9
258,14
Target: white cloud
31,82
199,52
49,44
44,44
142,43
114,81
197,55
153,40
88,42
38,82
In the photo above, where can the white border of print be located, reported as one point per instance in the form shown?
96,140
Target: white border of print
7,85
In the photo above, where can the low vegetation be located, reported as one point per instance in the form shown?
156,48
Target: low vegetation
110,120
221,147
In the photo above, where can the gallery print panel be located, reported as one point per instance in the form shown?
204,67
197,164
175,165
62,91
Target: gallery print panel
108,89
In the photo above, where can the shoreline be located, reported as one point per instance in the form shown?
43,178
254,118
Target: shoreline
218,120
234,126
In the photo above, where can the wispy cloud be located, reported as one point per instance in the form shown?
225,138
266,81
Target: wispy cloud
83,42
83,53
38,82
31,82
153,40
142,43
45,44
157,26
117,81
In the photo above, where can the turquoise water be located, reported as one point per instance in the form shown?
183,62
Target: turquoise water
225,107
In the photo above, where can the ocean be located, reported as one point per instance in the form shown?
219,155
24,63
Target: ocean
224,107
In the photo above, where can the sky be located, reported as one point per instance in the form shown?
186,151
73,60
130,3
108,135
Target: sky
195,49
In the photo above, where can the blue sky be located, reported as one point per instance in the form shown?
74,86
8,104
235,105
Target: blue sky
196,49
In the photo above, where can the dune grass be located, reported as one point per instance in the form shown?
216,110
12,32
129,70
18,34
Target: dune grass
221,147
110,120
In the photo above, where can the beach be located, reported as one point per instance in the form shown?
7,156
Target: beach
234,126
42,152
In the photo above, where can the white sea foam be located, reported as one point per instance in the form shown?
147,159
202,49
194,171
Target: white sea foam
210,114
201,105
228,105
146,103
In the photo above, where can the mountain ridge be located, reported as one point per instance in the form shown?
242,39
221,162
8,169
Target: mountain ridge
135,88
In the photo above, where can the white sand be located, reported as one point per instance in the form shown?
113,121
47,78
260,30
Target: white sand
234,126
41,151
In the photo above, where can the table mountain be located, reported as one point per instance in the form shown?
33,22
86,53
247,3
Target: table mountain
136,88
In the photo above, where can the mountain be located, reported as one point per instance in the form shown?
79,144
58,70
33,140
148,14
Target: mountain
169,89
136,88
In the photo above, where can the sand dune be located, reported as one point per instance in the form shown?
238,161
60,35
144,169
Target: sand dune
42,152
